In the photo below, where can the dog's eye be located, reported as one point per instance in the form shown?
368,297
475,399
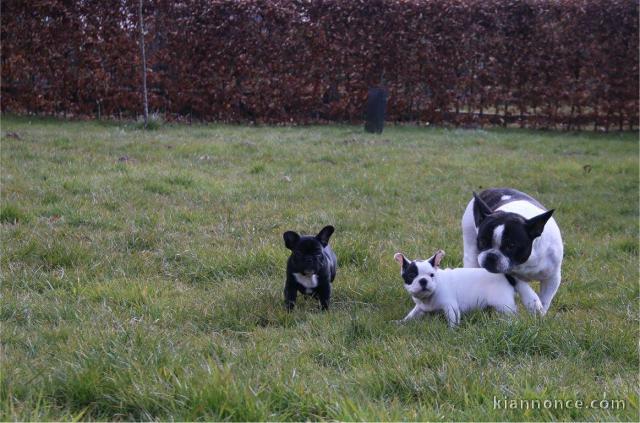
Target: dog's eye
431,275
511,246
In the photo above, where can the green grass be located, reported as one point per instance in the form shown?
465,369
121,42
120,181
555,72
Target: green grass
142,274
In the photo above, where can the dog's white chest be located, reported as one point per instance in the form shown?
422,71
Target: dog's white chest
309,282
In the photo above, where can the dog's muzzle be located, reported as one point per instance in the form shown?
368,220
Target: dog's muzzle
493,263
423,294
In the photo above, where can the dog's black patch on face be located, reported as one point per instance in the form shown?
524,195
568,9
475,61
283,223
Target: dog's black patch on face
409,272
495,198
515,244
485,230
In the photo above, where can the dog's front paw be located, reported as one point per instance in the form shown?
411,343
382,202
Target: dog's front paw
535,307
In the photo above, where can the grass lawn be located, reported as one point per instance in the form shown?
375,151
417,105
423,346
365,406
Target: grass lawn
142,274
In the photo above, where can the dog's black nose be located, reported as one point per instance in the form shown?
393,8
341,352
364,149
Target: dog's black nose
491,263
423,282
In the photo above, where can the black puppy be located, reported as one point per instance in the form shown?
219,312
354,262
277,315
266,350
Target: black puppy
311,267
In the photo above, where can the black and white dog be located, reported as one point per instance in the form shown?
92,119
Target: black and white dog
311,267
507,231
454,291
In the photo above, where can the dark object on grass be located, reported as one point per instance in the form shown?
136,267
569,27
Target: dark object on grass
126,159
376,109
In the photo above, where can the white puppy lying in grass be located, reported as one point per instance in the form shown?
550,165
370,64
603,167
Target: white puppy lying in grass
454,291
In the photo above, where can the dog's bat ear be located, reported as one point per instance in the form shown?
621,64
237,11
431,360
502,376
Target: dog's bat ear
436,259
480,209
324,235
535,225
291,239
401,260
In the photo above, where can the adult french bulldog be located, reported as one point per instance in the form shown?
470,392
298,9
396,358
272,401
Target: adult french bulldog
507,231
311,267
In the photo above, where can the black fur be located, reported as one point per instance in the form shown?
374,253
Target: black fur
518,234
409,271
492,199
310,254
516,242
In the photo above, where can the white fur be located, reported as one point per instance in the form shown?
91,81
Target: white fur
309,282
497,235
469,235
544,263
457,291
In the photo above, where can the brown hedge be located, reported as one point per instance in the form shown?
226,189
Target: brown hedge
556,63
